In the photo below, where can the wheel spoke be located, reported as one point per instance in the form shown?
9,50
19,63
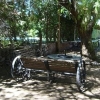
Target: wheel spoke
16,70
80,76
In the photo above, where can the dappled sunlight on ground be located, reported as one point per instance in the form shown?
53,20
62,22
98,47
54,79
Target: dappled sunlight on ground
64,88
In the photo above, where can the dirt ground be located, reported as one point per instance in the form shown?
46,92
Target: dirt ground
64,88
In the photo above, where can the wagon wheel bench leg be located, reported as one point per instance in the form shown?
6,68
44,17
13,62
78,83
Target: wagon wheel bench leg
18,72
81,76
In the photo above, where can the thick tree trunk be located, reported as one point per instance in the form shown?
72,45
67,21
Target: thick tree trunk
89,49
86,42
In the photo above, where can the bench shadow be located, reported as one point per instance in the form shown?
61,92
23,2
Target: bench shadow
64,86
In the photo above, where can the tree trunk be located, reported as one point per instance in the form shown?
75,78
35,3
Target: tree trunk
58,32
86,42
47,24
40,42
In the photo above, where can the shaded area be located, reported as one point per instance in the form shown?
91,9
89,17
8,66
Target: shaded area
38,88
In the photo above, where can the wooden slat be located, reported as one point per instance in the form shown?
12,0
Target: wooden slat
62,66
33,63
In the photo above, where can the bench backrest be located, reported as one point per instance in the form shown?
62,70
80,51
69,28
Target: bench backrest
51,65
62,66
33,63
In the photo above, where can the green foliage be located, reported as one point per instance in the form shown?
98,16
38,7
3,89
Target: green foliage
45,16
41,17
86,13
65,13
88,10
35,17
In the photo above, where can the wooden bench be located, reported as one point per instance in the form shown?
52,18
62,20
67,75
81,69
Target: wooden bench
50,66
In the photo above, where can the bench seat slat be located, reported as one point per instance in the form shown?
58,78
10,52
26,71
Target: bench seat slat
33,63
61,66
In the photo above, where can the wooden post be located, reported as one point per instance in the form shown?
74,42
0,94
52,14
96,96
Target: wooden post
58,40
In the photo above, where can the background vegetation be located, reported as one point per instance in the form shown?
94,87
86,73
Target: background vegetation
48,20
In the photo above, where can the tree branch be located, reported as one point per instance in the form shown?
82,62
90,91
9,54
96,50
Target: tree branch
70,6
